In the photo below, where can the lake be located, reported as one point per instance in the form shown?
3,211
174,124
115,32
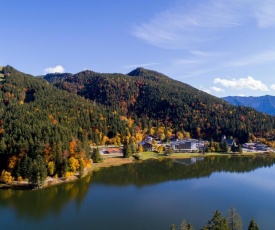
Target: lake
149,195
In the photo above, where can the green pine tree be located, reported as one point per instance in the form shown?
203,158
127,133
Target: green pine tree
127,152
218,222
253,225
38,173
81,167
239,149
172,227
185,226
97,158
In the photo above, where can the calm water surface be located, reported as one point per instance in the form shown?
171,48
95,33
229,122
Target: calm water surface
150,195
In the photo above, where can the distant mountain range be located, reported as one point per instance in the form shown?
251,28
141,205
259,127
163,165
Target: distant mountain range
265,104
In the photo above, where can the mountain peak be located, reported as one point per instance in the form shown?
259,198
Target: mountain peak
140,71
55,77
146,73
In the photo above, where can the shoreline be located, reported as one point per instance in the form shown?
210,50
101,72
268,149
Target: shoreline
50,181
118,161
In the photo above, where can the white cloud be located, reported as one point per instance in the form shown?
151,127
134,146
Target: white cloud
216,89
242,83
195,73
181,26
209,90
205,54
56,69
264,57
272,86
264,13
205,90
187,24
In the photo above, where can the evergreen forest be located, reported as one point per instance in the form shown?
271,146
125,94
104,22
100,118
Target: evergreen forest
49,123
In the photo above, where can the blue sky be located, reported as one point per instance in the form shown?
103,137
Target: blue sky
219,46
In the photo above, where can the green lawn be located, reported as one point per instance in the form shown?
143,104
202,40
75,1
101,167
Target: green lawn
186,155
154,155
150,155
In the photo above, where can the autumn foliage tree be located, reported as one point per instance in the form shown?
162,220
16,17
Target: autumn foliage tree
61,122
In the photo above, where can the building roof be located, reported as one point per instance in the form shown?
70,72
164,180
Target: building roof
229,141
145,142
249,144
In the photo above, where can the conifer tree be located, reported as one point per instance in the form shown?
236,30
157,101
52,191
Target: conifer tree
97,158
239,148
127,152
218,222
172,227
81,167
253,225
133,146
38,172
185,226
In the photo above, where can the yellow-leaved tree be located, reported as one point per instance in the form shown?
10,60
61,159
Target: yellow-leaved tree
6,177
73,164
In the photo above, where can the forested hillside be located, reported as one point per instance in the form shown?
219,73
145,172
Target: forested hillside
153,99
47,131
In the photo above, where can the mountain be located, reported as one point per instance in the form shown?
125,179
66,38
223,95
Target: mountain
265,104
48,123
55,77
152,99
48,131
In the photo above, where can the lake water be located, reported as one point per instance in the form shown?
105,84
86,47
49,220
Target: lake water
149,195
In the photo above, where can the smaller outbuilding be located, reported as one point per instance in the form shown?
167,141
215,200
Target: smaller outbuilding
146,145
230,142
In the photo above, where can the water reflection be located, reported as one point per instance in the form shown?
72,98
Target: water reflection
53,201
157,171
38,203
188,161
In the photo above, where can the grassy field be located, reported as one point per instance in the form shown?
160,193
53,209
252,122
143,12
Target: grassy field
149,155
153,155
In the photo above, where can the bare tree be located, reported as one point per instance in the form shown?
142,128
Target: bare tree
234,220
185,226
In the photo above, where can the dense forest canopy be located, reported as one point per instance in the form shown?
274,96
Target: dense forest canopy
47,129
146,95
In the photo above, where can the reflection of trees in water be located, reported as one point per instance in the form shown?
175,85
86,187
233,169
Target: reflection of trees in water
38,203
52,200
157,171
